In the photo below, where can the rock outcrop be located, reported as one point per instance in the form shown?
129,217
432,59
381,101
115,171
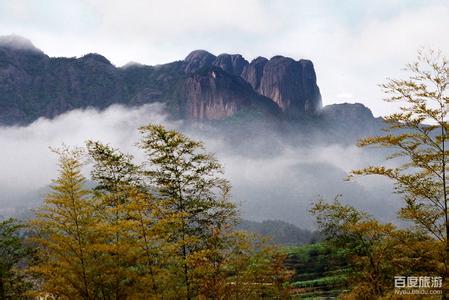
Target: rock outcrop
197,60
231,63
291,84
215,95
346,122
351,112
253,73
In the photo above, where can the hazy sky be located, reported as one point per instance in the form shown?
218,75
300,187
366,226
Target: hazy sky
354,44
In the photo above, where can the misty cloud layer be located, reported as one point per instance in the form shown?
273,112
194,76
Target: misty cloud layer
273,183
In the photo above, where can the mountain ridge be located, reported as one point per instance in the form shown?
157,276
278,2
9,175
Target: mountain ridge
202,87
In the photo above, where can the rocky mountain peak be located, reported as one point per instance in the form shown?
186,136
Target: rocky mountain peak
254,71
198,59
215,94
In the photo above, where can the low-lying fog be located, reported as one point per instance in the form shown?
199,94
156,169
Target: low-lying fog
271,177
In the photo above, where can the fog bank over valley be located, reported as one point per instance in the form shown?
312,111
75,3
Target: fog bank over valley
274,176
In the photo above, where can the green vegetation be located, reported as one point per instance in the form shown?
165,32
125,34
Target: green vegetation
13,253
320,270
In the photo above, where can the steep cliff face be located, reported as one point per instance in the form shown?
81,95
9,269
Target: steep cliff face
253,72
289,83
215,95
312,100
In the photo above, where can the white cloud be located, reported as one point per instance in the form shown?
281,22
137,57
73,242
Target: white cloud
354,46
269,183
26,160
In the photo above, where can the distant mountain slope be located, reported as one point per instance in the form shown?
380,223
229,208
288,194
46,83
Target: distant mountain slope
280,232
201,87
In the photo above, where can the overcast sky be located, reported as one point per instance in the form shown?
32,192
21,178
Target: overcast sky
354,44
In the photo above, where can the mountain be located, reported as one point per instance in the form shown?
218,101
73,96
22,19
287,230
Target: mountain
201,87
280,232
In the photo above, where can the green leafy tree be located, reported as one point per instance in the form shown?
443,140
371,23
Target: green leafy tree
13,253
189,181
114,174
135,229
377,252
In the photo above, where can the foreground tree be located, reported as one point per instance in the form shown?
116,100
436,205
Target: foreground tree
255,270
418,136
115,176
189,181
136,233
64,235
13,252
163,229
376,252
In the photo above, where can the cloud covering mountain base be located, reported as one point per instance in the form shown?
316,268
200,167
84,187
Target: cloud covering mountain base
279,180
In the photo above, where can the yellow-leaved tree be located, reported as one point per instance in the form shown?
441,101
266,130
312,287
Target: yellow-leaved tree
162,229
64,234
418,137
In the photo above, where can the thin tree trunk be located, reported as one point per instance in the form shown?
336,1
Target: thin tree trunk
2,287
149,260
443,146
186,271
78,237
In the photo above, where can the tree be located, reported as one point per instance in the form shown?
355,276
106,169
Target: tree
189,181
163,229
114,175
64,235
135,230
13,253
376,252
364,241
255,269
418,136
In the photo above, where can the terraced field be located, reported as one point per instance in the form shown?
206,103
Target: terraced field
320,273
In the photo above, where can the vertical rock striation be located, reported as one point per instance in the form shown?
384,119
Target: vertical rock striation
289,83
